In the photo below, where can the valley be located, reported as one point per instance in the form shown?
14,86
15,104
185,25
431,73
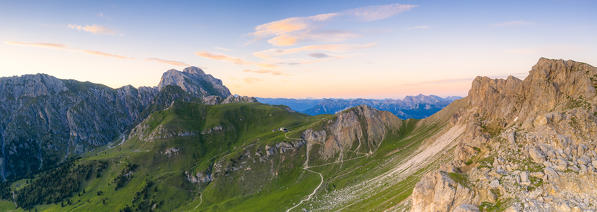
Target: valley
193,154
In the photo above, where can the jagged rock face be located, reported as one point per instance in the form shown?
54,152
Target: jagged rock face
361,125
214,100
439,192
193,80
31,86
549,86
239,99
45,119
530,144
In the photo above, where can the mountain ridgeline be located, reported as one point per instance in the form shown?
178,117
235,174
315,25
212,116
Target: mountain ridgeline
417,107
44,120
511,144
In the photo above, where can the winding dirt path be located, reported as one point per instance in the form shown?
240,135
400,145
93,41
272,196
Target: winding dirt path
312,193
200,201
306,168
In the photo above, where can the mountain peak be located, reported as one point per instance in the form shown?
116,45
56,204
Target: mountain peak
551,83
193,70
194,81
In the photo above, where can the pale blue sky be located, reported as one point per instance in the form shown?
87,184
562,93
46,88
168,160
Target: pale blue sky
371,48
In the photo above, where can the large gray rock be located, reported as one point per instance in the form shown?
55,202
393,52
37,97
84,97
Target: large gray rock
238,99
537,155
438,192
193,80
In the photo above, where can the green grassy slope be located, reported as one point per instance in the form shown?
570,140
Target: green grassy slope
227,139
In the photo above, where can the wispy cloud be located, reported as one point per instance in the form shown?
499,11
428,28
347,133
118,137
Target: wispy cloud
513,23
223,57
64,47
290,24
169,62
264,71
420,27
378,12
222,49
235,60
35,44
283,40
250,80
270,53
95,29
319,55
290,31
282,29
104,54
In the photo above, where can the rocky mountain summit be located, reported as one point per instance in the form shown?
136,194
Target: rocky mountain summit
44,120
529,145
194,81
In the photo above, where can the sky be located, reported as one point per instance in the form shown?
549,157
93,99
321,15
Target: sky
296,49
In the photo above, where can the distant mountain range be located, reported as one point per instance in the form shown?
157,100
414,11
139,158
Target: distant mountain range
417,107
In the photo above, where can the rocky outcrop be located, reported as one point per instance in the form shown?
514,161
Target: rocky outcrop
440,191
194,81
214,100
550,85
239,99
529,144
250,160
362,125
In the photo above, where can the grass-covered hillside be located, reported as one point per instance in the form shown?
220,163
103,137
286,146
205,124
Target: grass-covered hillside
231,157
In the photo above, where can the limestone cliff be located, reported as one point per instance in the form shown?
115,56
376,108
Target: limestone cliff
194,81
361,129
529,146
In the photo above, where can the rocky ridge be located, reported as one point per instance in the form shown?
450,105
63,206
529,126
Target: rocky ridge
529,145
44,120
362,125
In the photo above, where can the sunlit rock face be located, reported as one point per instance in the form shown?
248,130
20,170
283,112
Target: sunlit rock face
530,145
194,81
